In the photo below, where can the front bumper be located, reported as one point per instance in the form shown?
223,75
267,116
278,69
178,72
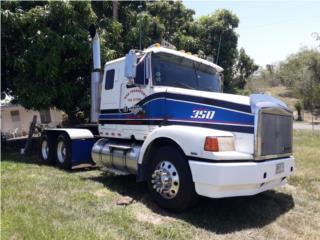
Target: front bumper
217,180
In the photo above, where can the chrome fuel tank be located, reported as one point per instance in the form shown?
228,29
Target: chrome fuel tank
116,155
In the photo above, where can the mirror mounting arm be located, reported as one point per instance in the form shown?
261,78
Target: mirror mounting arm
131,83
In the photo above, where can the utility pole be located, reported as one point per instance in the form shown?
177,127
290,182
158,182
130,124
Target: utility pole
219,48
115,10
218,54
140,30
212,42
140,36
311,94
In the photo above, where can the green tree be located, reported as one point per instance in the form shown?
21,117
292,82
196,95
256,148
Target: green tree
244,68
12,34
127,20
311,95
152,30
219,40
301,72
173,15
52,63
46,55
157,20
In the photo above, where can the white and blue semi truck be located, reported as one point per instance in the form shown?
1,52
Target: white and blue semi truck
162,116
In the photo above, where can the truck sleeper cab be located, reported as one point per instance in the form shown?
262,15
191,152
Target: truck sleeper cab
162,116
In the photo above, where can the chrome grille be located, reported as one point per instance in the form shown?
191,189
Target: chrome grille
274,133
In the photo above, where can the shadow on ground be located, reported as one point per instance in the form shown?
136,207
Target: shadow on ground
217,215
14,156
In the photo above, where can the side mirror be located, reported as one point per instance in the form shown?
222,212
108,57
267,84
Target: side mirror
143,70
221,78
147,67
131,65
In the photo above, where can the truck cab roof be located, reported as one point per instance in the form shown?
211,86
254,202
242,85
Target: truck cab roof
174,52
183,54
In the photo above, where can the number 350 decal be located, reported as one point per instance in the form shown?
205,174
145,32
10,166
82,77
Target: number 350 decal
202,114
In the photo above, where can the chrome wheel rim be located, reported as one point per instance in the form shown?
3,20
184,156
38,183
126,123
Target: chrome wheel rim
165,180
61,151
45,149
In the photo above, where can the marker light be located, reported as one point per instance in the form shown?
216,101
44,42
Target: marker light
219,144
211,144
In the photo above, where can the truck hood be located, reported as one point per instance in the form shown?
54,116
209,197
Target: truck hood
255,101
258,101
239,99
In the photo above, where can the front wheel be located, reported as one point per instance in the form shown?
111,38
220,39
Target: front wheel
63,152
170,180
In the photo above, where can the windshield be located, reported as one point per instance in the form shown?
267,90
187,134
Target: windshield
171,70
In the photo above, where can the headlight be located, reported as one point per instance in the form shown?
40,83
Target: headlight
219,144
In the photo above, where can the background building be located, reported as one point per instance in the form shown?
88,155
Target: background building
15,119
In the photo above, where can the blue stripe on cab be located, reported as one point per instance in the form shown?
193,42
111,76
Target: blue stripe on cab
184,111
178,111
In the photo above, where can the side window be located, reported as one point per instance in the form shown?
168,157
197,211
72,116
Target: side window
45,116
15,116
140,75
109,79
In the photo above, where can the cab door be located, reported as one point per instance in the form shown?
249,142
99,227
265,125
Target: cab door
132,95
132,105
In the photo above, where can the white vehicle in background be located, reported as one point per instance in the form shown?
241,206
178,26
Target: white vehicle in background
162,116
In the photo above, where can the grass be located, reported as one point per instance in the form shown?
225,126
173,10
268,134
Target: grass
42,202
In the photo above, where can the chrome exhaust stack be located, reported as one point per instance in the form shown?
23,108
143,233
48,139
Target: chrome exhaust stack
95,75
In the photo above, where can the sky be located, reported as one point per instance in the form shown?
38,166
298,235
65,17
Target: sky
269,31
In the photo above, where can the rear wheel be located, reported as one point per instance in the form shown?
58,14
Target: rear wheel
46,150
170,181
63,152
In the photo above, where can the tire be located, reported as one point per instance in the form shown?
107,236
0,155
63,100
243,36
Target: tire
46,150
63,152
175,192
